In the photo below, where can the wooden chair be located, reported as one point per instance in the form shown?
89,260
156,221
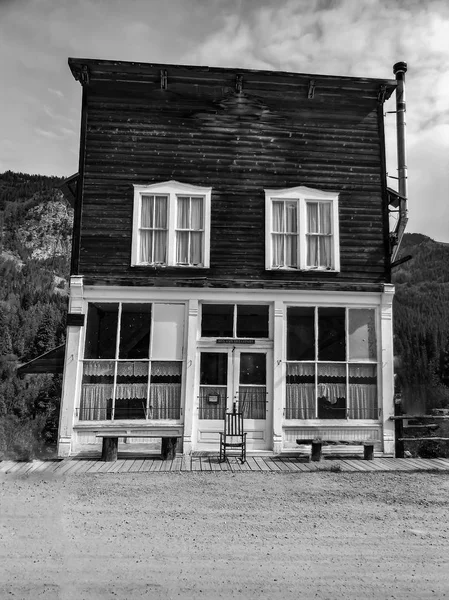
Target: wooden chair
233,435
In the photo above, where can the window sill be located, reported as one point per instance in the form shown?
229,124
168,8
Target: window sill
301,270
161,267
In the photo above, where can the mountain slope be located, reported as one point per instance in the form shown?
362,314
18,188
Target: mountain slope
421,322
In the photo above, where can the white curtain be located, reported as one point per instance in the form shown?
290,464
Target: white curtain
132,369
285,234
165,401
94,401
253,402
153,234
300,401
319,238
189,235
362,401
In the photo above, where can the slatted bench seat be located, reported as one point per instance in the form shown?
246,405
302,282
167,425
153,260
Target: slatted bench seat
318,443
110,442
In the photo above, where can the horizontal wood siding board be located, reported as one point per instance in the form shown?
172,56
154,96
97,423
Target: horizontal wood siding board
194,133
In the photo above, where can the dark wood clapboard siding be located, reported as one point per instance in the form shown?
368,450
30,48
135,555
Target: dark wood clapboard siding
200,132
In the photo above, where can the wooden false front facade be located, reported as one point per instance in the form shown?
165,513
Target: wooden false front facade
233,137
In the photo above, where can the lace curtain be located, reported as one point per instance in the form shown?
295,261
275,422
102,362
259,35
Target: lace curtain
165,401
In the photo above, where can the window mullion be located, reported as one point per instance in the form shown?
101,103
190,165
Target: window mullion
171,240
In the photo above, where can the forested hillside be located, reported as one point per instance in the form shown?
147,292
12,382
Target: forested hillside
421,323
35,237
35,240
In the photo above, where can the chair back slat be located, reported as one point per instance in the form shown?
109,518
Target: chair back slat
234,423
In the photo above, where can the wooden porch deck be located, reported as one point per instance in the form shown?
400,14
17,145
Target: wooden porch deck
273,464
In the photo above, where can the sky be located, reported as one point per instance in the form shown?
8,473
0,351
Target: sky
40,101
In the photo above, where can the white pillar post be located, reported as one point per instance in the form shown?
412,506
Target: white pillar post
70,382
190,402
278,376
387,378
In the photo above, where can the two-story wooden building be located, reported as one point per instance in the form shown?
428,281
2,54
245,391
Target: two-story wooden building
231,245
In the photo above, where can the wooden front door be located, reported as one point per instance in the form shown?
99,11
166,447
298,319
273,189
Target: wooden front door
239,377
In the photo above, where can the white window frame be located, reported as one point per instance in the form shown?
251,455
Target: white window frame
172,189
301,195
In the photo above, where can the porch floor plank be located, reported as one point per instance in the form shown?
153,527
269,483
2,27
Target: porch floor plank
156,466
137,464
214,464
195,463
116,466
186,463
205,463
166,465
444,463
176,464
146,465
271,464
262,464
252,463
65,465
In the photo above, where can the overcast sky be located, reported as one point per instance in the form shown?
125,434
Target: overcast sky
40,101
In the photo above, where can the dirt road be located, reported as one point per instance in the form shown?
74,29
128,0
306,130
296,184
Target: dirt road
223,535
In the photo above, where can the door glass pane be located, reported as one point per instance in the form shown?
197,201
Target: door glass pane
300,333
101,331
135,331
331,334
217,320
214,368
213,385
362,335
168,331
252,388
252,321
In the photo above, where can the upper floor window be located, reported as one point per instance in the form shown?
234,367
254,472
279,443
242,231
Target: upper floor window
302,229
171,225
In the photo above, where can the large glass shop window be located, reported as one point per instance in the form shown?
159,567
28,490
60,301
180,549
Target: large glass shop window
331,363
132,363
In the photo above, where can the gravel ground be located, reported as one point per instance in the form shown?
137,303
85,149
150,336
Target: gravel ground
223,535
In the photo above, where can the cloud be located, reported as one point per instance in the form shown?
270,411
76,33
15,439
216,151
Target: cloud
56,92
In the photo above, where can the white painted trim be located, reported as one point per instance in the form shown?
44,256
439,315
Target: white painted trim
301,194
171,189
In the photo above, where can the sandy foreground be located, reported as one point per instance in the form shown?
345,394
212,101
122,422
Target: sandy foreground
224,535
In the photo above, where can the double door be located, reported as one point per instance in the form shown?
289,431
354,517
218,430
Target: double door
240,378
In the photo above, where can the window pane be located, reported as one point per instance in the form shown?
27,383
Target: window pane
291,217
313,251
165,390
214,368
146,246
183,212
101,330
331,334
331,391
312,217
135,331
147,211
160,247
325,224
252,321
182,247
160,212
362,402
196,213
300,392
300,333
253,369
168,331
196,248
362,334
278,216
217,320
278,250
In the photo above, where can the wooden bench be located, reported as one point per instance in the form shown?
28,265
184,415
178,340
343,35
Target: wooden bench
110,443
318,443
